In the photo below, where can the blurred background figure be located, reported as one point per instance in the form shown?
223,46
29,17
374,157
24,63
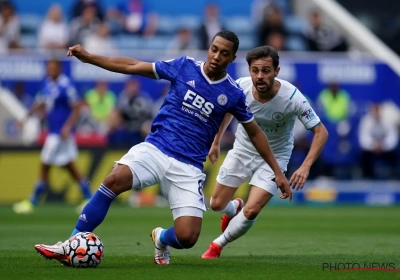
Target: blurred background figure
62,105
133,16
335,103
100,42
101,102
130,115
323,38
53,33
84,25
210,26
378,138
183,41
9,27
80,5
271,24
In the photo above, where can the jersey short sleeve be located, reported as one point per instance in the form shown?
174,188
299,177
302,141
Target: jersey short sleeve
168,69
305,112
242,111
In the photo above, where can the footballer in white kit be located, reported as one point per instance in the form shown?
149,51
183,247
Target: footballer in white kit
275,104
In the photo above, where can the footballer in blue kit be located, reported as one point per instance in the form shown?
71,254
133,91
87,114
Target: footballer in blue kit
61,102
200,95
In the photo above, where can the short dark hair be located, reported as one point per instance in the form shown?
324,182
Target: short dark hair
230,36
263,52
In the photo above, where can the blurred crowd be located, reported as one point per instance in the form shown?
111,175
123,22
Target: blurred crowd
363,139
106,27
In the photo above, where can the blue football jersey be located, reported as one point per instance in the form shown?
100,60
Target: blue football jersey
193,110
58,97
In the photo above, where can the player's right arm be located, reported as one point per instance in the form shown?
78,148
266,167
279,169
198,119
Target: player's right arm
214,152
122,65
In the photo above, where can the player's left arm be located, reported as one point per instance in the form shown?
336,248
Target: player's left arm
311,122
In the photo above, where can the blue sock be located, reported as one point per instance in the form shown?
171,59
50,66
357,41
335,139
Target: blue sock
40,187
169,238
95,211
85,189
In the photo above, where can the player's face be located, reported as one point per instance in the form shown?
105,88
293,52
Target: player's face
53,69
263,74
220,54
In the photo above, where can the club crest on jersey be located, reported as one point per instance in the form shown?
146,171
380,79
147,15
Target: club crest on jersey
222,99
278,116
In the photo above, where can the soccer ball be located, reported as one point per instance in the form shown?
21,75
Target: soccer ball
84,249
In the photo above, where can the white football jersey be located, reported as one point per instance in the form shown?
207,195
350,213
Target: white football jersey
276,118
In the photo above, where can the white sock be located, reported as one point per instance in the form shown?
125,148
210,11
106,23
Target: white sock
237,227
230,209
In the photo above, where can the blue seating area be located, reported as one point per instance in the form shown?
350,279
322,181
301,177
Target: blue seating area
173,15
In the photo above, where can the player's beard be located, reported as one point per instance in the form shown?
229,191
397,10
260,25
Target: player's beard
265,88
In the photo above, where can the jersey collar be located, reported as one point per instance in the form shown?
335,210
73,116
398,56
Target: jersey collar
208,79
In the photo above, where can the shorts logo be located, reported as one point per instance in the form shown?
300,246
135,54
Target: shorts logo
222,99
222,173
278,116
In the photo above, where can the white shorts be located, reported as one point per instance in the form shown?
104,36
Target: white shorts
238,168
180,183
57,151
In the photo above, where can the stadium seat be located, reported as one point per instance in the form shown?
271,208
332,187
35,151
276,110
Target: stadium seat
30,23
29,41
295,24
241,25
296,43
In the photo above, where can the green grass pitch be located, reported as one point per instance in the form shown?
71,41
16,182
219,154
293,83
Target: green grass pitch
285,243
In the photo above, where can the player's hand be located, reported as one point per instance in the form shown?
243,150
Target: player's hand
214,153
284,186
299,178
65,131
79,52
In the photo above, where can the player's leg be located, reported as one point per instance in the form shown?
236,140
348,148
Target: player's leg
118,181
82,181
262,190
67,154
136,169
183,186
27,206
232,174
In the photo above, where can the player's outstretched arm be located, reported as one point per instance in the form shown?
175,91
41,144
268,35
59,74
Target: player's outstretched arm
214,152
260,142
299,177
122,65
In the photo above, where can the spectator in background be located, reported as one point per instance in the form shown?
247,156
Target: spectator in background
100,43
101,102
272,24
210,26
80,5
378,139
183,41
132,111
335,103
83,26
277,41
259,8
53,33
25,98
323,38
9,28
133,16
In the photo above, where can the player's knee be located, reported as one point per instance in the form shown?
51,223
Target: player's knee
116,183
187,238
217,204
251,211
